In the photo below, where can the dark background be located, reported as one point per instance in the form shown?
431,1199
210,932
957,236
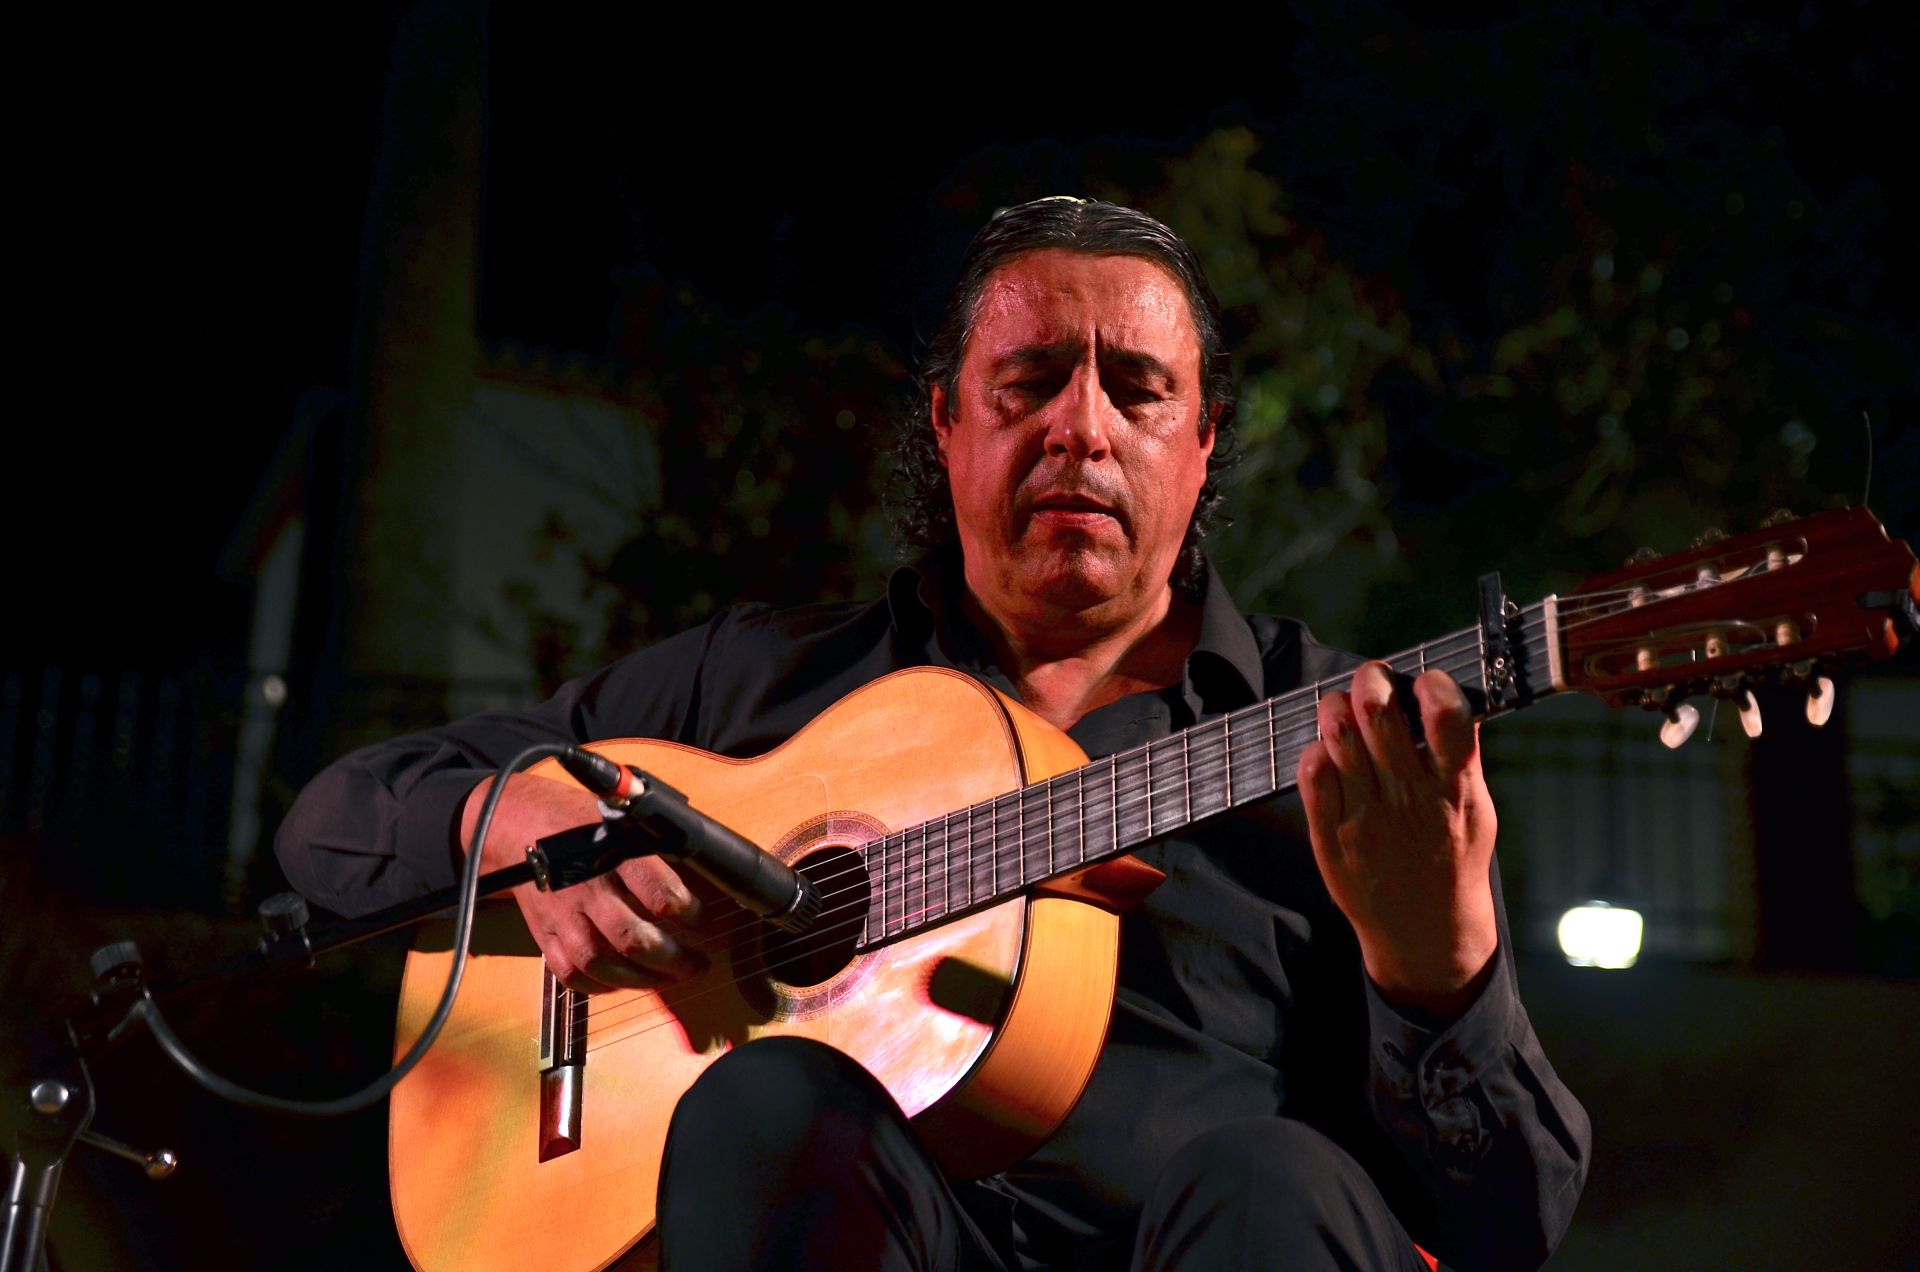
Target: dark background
201,208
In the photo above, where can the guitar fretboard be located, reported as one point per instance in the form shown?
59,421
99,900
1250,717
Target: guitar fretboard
982,854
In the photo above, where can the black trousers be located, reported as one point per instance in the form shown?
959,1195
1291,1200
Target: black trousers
786,1154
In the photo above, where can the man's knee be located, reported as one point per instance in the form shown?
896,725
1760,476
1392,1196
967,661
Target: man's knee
1268,1184
1274,1160
788,1092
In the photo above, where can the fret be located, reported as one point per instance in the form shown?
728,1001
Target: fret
1036,827
1099,834
1480,635
1186,771
928,908
915,873
1006,844
997,882
970,863
1273,773
866,917
946,864
1132,799
893,914
1250,773
1052,861
1167,783
1226,727
980,860
1080,814
1208,793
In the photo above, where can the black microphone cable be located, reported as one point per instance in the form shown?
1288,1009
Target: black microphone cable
146,1009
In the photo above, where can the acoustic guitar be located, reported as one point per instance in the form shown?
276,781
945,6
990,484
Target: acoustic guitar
973,866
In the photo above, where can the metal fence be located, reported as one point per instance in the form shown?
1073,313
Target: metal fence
120,782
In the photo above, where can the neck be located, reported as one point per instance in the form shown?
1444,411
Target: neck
982,854
1066,666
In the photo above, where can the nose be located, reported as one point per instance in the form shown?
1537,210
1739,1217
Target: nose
1077,425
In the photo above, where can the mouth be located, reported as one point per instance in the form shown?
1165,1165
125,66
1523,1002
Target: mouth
1067,508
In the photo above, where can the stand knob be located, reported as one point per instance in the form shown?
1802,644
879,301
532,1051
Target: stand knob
49,1096
119,958
159,1164
283,914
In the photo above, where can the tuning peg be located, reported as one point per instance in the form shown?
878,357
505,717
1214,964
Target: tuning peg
1641,556
1712,534
1819,701
1779,516
1681,722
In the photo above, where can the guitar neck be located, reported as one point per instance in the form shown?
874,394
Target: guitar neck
980,855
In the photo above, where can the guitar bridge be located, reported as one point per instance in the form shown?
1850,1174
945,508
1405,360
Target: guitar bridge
563,1071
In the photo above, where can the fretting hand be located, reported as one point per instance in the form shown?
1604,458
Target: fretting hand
1404,836
605,933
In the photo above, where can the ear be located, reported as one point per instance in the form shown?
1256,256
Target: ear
1210,428
942,419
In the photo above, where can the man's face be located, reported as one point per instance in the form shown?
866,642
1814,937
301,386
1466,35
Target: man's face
1073,439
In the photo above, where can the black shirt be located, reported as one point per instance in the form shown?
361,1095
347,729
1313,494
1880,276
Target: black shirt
1241,991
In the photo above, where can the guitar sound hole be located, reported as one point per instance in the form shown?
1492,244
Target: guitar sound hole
807,958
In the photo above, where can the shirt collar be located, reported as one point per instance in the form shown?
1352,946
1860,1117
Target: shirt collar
1224,668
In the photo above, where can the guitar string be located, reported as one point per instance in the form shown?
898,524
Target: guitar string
1533,633
1013,803
1014,806
1215,763
1015,811
1203,774
1442,648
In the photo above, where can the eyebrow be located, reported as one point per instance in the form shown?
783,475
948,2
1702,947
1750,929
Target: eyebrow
1040,356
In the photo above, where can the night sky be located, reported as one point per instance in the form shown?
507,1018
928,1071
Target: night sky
205,217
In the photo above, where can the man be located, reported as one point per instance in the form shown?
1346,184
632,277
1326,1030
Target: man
1318,1053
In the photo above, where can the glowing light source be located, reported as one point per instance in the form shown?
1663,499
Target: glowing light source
1596,934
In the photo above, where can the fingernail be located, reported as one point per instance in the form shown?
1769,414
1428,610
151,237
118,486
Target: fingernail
1373,691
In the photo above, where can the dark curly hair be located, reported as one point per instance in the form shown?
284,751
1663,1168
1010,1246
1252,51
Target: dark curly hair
923,511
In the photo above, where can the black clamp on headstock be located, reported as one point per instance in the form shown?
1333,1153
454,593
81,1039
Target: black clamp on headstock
1498,664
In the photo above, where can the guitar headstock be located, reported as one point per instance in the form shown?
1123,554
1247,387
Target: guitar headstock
1788,601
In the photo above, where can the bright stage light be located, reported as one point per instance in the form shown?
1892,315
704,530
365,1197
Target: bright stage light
1596,934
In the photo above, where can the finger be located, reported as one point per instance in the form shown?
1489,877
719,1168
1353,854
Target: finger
1341,738
1447,719
660,890
583,960
1320,795
632,935
1382,726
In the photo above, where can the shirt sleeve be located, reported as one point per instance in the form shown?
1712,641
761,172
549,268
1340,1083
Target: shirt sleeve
1478,1115
381,825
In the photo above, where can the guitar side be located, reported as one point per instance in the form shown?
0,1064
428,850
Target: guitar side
985,1029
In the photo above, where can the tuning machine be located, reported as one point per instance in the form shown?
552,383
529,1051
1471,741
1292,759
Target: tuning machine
1682,718
1820,691
1733,689
1681,721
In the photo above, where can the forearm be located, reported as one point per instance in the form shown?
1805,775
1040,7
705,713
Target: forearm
384,824
1486,1128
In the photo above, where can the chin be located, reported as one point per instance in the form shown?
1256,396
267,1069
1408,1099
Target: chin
1075,580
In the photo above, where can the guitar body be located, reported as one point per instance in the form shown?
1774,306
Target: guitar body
985,1029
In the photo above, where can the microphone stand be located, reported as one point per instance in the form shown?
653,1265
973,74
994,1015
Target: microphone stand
60,1102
